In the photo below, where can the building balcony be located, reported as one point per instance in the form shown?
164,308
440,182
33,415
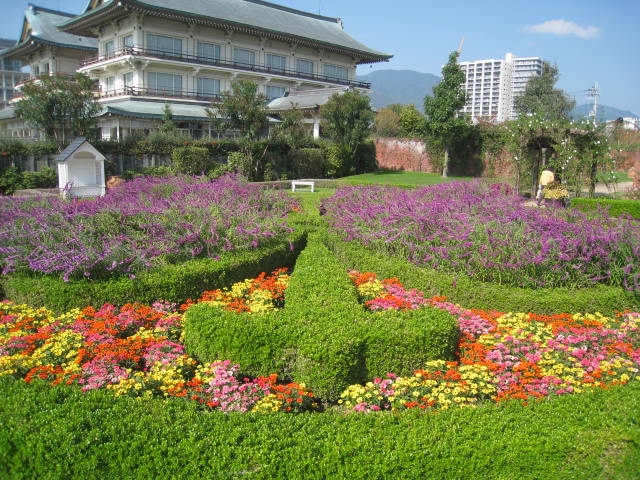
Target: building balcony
159,93
144,53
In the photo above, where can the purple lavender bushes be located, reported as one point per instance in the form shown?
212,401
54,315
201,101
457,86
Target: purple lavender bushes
487,232
143,223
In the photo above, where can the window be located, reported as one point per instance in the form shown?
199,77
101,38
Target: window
126,41
208,87
276,62
36,70
335,72
274,92
127,79
110,84
168,45
108,48
45,68
244,57
305,67
165,82
208,51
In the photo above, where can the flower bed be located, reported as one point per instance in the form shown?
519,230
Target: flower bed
488,233
137,351
143,223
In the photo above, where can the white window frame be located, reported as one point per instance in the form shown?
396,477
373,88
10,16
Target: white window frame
108,48
152,78
330,70
269,89
217,51
200,87
304,71
252,54
276,62
176,48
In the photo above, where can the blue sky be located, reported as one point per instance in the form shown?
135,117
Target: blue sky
589,40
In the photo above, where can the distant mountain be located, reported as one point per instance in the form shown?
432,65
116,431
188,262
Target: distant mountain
407,86
605,113
399,86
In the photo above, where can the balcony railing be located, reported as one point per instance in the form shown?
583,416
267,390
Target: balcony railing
160,92
199,60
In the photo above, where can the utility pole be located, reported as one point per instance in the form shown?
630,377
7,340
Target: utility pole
594,92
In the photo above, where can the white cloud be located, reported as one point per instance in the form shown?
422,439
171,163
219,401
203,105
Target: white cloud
564,27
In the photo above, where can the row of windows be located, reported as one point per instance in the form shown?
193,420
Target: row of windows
212,52
170,83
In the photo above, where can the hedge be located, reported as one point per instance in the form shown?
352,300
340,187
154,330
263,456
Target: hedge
52,433
323,337
173,283
614,207
471,293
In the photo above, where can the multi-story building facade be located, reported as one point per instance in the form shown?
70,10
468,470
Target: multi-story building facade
492,85
10,73
186,54
44,50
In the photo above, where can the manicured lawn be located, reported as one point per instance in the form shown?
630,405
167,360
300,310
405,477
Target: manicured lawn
397,177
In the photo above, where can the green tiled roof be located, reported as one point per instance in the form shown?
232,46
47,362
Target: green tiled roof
150,109
250,15
43,25
304,100
7,113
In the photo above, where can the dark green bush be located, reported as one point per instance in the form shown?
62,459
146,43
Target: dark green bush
470,293
61,433
10,180
173,283
45,178
323,336
190,160
308,163
614,207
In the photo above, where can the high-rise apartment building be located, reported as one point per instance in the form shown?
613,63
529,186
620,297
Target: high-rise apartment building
492,85
10,74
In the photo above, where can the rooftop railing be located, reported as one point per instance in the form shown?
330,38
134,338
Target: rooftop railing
160,92
217,62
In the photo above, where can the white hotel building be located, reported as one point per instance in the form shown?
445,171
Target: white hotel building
144,54
492,85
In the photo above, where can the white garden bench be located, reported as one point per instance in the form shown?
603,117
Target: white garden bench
299,183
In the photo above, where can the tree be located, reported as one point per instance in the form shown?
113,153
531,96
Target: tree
292,131
542,99
441,110
58,105
412,122
168,126
387,123
348,119
242,109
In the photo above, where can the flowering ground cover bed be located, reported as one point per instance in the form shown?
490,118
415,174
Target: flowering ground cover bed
144,223
488,233
137,351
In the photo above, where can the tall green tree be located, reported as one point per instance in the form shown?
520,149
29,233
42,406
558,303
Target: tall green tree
542,99
349,119
242,109
168,126
59,106
441,109
387,123
412,122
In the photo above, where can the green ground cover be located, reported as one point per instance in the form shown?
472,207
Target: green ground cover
398,177
61,433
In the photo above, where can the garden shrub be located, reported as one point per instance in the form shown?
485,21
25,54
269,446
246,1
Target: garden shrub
60,433
190,160
323,337
173,283
10,180
308,163
614,207
45,178
472,293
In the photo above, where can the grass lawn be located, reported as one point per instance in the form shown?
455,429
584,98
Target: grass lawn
398,177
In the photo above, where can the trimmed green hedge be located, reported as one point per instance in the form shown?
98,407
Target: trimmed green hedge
614,207
60,433
323,336
470,293
173,283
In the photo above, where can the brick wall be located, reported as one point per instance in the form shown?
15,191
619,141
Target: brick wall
402,154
